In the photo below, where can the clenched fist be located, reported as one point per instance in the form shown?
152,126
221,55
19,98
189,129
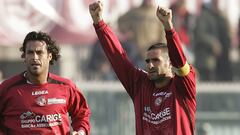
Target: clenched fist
80,132
165,16
95,10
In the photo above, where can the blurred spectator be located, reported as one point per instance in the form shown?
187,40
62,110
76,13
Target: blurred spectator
184,22
239,35
212,44
235,55
99,67
238,63
142,27
204,129
1,76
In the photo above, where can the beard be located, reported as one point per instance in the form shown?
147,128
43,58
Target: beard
159,75
159,78
33,71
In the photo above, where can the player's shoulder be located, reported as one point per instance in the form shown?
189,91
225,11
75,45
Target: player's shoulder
12,81
60,80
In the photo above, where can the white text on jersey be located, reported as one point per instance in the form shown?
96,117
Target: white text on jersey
41,92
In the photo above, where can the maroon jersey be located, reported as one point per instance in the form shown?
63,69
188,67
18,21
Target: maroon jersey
28,109
158,111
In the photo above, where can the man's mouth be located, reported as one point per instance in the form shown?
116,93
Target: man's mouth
35,65
152,71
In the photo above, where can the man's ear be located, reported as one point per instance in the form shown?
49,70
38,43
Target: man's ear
23,57
50,56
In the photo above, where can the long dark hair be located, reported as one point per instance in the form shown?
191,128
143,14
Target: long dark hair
41,36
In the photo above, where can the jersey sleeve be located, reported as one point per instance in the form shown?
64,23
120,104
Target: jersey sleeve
184,72
4,86
1,108
79,111
126,72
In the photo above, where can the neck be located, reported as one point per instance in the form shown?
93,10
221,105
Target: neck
36,79
161,83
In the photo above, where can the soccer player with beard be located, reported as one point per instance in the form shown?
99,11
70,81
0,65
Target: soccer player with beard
37,102
164,97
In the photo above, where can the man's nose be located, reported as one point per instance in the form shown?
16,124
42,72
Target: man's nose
150,65
35,55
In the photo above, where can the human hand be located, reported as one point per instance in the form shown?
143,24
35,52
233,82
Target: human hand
95,10
80,132
165,16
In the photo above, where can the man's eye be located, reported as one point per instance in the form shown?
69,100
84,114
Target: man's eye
39,52
147,60
155,59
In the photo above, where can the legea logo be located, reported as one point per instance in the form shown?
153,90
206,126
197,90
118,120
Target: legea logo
40,92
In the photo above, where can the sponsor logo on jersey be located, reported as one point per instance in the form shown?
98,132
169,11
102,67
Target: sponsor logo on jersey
158,101
41,101
157,118
27,115
30,119
147,109
56,101
40,92
165,94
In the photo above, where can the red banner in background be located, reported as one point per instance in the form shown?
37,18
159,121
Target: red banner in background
67,21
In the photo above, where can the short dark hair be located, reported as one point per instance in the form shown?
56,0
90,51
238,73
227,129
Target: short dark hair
161,46
41,36
157,46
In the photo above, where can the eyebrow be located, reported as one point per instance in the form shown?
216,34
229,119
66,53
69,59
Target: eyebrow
33,50
153,59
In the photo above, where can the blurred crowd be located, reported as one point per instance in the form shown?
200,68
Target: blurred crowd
206,39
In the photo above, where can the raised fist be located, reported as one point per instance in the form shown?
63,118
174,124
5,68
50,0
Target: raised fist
95,10
165,16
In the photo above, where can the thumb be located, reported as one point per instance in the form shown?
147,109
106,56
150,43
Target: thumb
74,133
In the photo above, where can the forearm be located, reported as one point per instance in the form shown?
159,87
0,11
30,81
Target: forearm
124,69
168,26
81,123
110,44
176,54
79,111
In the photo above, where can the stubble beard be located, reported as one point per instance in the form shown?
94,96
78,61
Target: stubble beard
159,79
33,72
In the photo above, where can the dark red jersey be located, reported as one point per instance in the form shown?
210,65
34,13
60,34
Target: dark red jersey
28,109
158,111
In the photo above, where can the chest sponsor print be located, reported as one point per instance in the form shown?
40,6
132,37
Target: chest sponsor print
41,101
164,94
56,101
31,120
158,101
157,118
